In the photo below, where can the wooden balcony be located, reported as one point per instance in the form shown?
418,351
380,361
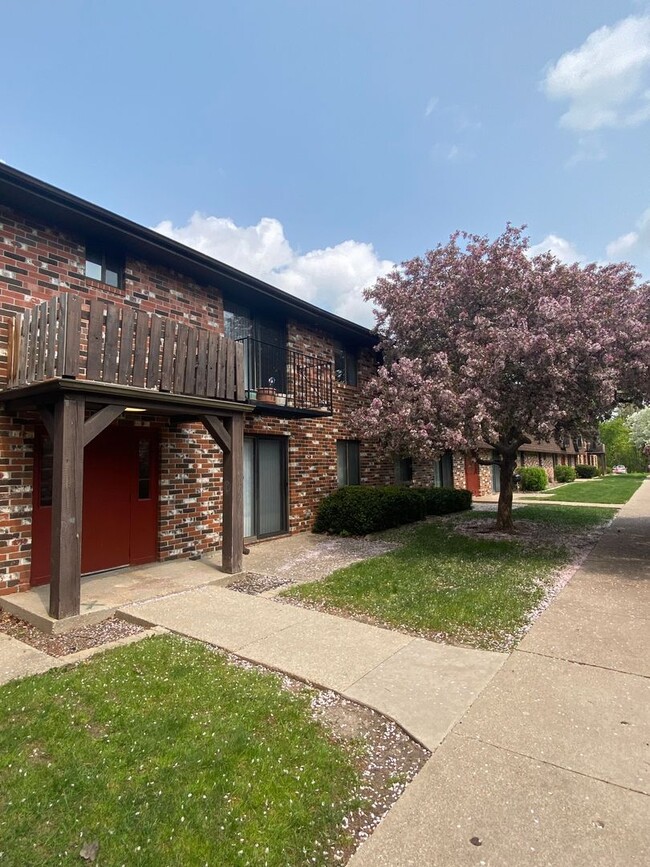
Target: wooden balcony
100,342
100,346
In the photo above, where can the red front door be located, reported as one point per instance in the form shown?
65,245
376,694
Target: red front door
472,476
120,508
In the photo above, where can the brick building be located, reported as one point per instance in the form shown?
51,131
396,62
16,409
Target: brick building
85,297
167,403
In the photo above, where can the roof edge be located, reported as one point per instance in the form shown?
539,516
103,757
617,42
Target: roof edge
99,218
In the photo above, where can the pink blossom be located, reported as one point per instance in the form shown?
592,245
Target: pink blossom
484,344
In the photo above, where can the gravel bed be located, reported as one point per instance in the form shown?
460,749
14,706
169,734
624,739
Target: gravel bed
93,635
254,583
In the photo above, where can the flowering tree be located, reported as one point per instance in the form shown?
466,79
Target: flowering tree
485,345
639,424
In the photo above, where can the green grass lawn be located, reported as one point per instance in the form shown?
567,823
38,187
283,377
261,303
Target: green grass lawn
167,754
475,591
609,489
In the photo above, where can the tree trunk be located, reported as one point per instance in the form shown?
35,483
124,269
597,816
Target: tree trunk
504,509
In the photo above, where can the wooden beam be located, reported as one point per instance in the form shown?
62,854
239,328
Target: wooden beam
67,506
233,497
72,337
98,422
101,393
47,417
217,430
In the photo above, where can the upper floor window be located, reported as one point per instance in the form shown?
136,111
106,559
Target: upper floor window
345,365
103,267
265,347
238,321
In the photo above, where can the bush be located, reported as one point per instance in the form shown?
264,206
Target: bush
565,474
586,471
358,509
533,478
444,501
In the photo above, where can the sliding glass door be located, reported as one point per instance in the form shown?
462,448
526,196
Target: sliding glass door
265,486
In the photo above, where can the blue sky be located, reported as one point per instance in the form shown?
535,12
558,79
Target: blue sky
316,142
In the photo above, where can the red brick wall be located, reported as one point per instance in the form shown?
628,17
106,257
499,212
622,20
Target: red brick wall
37,262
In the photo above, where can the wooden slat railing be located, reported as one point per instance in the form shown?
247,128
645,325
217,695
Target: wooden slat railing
104,342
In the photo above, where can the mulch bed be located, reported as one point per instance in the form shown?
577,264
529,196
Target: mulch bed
70,642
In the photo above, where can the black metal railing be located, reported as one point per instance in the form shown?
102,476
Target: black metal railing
281,377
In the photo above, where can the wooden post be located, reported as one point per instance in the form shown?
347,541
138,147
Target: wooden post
67,506
233,497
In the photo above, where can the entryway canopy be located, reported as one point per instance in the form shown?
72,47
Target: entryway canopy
69,358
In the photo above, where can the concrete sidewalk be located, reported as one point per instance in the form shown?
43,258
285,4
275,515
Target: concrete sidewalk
425,687
18,659
550,765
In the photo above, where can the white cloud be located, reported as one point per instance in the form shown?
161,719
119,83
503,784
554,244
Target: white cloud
562,249
431,106
590,150
332,278
606,79
635,243
452,153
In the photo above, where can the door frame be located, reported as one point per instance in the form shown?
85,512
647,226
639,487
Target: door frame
284,492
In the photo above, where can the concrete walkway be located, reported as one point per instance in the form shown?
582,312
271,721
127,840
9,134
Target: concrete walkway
18,659
425,687
550,765
529,499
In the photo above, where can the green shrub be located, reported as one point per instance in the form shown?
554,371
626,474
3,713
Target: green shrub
444,501
565,474
533,478
357,510
586,471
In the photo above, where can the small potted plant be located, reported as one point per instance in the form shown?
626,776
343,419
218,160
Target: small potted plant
268,393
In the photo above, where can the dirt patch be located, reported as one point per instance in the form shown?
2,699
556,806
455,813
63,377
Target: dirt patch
70,642
530,534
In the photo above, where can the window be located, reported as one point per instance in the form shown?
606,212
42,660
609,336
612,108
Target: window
265,347
404,471
522,459
347,462
443,471
238,321
103,267
144,470
345,366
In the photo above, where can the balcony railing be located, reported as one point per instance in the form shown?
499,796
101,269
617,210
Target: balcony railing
99,341
276,376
